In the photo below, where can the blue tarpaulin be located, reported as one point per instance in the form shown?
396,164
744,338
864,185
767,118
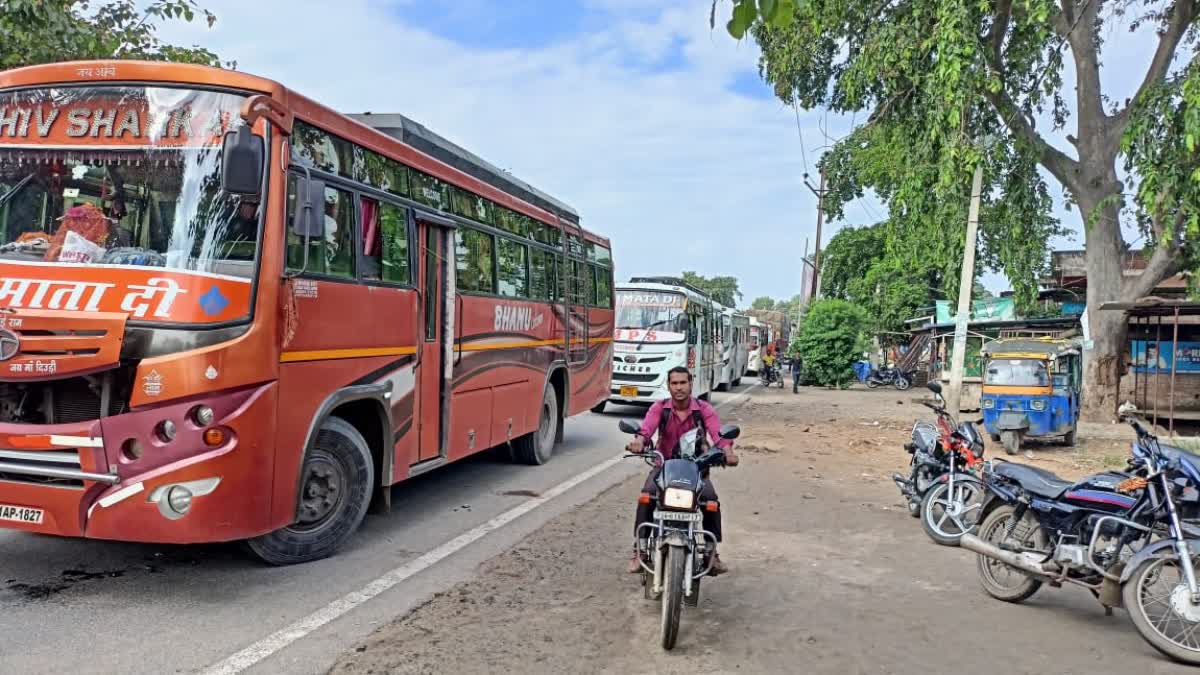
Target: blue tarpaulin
862,370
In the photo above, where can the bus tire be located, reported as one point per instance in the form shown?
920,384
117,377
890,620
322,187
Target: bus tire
536,447
336,482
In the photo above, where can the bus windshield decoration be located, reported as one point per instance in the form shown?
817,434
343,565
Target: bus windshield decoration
127,177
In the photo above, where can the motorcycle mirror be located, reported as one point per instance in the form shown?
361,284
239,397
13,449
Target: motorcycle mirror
730,431
628,427
935,387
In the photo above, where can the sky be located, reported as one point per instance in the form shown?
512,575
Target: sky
657,129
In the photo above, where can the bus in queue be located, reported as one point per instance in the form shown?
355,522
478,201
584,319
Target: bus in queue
760,337
734,341
231,313
662,323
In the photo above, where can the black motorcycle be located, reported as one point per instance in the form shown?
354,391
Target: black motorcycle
1129,537
941,488
677,551
770,375
900,379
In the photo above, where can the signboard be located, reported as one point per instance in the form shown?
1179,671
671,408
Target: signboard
995,309
1155,357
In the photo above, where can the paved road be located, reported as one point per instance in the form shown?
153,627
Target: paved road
97,607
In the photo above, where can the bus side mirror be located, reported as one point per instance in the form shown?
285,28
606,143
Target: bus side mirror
242,154
309,221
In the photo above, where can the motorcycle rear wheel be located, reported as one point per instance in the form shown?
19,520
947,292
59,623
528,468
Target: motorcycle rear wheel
872,384
1021,587
1184,646
674,567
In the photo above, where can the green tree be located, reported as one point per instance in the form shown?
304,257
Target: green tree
935,78
831,339
856,267
763,302
721,289
47,31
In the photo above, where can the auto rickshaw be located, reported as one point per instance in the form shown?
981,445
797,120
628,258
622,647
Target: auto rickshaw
1031,389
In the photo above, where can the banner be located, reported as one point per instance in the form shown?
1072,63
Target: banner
994,309
1155,357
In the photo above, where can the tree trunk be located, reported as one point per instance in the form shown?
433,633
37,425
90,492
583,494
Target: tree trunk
1105,283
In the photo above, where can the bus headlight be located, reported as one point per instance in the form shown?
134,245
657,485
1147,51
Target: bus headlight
675,498
989,403
1037,405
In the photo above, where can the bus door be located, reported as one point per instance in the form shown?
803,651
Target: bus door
579,290
436,336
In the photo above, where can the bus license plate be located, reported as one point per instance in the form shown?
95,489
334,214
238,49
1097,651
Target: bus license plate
629,392
21,514
678,515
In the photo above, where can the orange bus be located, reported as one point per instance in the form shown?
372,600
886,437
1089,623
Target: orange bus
230,313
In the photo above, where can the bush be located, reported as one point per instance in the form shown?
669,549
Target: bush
831,340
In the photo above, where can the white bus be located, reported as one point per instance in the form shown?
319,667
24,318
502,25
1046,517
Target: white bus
661,323
734,341
760,337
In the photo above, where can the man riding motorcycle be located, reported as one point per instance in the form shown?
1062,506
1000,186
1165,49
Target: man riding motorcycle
671,419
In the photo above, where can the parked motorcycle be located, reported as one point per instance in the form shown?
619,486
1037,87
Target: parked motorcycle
1130,537
941,489
899,379
677,550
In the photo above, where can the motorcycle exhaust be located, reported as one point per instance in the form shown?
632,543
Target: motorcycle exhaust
977,545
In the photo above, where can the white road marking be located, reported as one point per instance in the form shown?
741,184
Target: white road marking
270,645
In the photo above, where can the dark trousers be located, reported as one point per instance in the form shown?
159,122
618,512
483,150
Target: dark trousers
645,512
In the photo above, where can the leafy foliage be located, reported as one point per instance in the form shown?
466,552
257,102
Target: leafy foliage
949,85
856,268
48,31
831,339
763,302
721,289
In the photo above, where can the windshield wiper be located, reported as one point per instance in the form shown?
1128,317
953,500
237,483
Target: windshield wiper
638,348
4,198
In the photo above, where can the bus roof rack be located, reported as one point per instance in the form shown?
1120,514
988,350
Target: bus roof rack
420,137
669,281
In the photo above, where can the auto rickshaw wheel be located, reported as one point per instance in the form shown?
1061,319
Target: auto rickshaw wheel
1011,441
1069,439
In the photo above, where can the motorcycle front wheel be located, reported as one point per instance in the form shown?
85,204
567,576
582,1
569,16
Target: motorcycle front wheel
1157,599
675,566
947,516
902,383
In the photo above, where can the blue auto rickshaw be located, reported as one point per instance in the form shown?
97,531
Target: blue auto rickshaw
1031,389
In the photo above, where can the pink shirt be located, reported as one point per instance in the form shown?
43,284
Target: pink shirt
677,427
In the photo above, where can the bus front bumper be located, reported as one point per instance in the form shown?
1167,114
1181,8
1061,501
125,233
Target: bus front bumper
118,479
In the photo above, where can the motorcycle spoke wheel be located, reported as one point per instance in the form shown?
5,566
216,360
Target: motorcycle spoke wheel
1160,605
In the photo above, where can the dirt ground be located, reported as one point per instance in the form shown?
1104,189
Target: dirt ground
829,574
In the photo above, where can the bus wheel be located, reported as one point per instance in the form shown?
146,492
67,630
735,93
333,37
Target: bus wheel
335,490
537,446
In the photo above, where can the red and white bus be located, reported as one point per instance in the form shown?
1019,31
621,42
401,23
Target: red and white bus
228,312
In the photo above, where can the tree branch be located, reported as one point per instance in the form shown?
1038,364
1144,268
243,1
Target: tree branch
999,30
1058,163
1166,262
1081,35
1182,15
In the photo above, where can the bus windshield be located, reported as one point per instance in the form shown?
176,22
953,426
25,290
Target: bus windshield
1017,372
663,314
122,175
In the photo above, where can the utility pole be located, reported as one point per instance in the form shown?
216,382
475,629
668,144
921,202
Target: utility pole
965,285
820,193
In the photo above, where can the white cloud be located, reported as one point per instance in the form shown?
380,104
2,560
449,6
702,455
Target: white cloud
679,171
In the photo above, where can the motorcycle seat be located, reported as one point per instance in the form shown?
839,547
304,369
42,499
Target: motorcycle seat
1036,481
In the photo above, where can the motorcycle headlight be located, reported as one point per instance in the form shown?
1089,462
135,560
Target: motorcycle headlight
675,498
1037,405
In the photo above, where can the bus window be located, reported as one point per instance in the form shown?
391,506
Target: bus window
473,260
514,276
385,242
332,254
